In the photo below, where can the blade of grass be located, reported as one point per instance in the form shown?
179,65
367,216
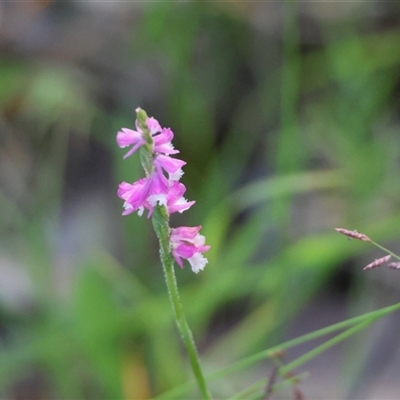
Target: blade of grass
240,365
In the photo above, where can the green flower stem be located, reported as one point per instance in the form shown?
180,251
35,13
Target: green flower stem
161,226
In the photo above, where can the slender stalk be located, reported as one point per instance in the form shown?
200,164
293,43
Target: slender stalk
325,346
255,388
161,226
247,362
385,249
303,359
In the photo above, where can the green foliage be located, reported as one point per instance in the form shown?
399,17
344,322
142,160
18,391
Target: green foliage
282,142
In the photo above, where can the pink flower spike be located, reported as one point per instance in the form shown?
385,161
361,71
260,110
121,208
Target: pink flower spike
162,142
187,243
127,137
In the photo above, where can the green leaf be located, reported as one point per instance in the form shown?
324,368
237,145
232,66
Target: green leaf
97,329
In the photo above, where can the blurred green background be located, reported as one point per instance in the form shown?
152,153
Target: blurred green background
288,117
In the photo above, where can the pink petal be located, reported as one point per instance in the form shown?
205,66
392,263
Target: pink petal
162,142
184,233
157,184
169,164
153,125
177,259
185,250
180,206
127,137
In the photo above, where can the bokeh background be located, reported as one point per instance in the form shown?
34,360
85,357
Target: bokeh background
288,117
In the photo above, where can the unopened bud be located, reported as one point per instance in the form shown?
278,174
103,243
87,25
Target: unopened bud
141,117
